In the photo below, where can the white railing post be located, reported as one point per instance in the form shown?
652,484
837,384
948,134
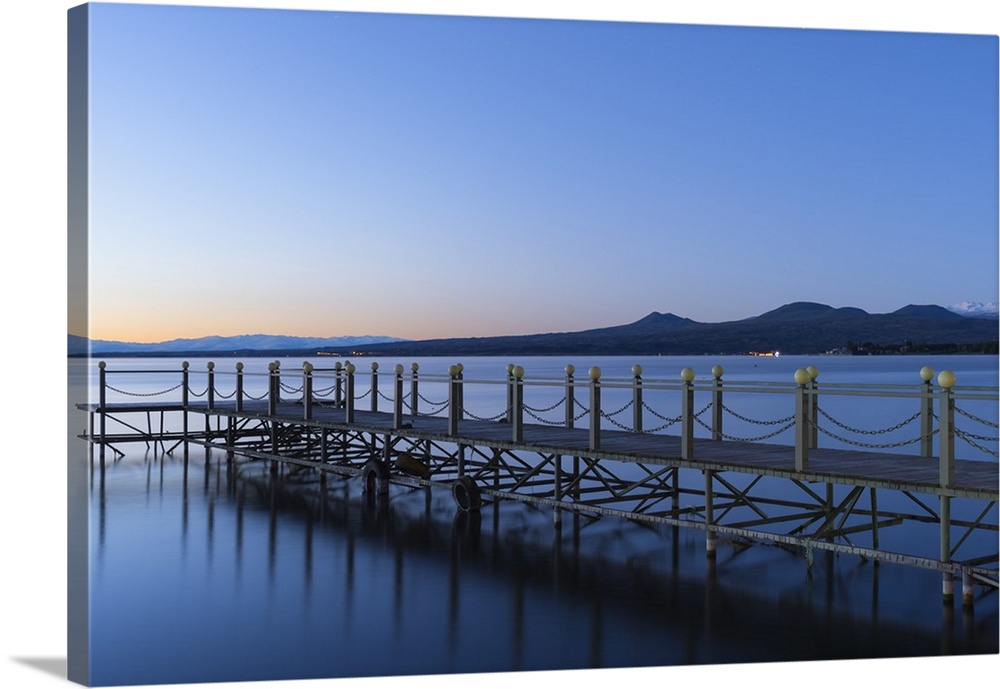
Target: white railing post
687,413
349,369
595,407
927,412
272,387
461,392
210,398
802,378
414,390
239,386
185,389
453,396
374,392
307,390
813,409
946,441
637,398
517,418
397,398
717,402
570,397
338,392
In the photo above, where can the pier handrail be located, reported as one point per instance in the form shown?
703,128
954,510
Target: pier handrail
338,386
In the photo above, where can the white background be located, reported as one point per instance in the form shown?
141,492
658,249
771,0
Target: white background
32,199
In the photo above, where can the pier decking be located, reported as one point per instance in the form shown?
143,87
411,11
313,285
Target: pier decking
748,491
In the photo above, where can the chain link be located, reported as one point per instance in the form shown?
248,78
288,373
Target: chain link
542,411
144,394
776,422
499,416
874,445
976,418
197,394
862,431
433,404
750,440
966,436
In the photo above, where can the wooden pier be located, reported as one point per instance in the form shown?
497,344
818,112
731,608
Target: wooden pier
799,495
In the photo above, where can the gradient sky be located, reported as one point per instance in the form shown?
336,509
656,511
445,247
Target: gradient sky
332,173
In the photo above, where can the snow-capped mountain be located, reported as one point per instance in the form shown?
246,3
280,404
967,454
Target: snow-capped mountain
976,309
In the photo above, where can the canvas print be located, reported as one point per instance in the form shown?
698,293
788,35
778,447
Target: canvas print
409,345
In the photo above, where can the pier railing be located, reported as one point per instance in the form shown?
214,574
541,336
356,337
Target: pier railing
695,410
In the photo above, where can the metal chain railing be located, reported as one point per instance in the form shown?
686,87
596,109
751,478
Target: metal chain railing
433,404
144,394
530,412
198,394
881,446
968,438
661,417
289,389
758,438
502,415
545,409
976,418
862,431
775,422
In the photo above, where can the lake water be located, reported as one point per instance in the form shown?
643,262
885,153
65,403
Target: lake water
200,571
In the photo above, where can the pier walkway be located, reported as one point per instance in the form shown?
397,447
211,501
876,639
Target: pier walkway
942,510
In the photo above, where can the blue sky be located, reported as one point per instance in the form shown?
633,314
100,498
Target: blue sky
321,173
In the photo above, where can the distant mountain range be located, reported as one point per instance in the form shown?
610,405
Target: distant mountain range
797,328
976,309
214,344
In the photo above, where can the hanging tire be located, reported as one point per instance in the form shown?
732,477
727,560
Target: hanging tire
466,494
408,464
375,477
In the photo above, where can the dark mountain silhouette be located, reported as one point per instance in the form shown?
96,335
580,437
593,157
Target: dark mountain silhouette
796,328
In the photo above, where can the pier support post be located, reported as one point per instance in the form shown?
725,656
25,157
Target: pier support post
349,369
947,577
717,402
557,488
210,393
637,398
414,390
397,398
813,407
517,417
453,400
185,389
802,420
102,401
374,393
926,413
570,397
461,392
710,535
946,433
272,388
595,407
239,386
307,390
687,413
968,590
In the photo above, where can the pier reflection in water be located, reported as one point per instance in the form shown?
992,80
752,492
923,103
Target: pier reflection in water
206,571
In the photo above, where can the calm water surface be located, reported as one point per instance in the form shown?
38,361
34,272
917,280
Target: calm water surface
201,571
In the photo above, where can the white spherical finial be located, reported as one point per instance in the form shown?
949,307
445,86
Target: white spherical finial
374,365
239,365
570,369
102,365
453,370
210,365
307,367
717,371
271,366
813,372
946,379
185,365
398,369
637,370
350,368
518,372
926,373
687,374
802,376
337,366
461,367
510,367
414,367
